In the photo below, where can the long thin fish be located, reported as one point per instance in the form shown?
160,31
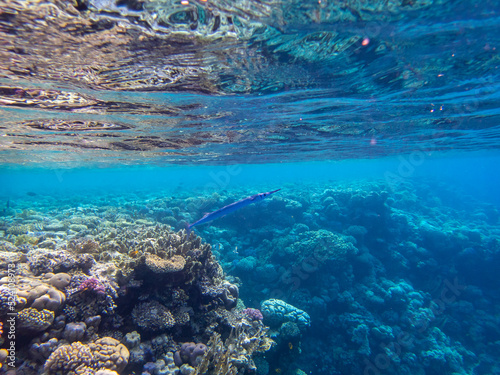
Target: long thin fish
230,208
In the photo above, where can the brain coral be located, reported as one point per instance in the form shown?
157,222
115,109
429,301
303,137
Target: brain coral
151,316
276,312
69,358
77,358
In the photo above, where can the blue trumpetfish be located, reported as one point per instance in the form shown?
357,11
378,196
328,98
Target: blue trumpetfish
230,208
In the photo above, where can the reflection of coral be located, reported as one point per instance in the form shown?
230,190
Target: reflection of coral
105,353
31,319
276,312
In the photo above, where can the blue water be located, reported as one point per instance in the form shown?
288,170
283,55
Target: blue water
474,174
122,122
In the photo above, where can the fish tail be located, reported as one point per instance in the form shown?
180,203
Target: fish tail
188,229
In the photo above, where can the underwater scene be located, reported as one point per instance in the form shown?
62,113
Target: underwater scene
249,187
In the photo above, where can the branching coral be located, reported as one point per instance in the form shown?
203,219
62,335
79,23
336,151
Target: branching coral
236,352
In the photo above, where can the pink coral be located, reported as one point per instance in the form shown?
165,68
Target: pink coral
253,314
94,285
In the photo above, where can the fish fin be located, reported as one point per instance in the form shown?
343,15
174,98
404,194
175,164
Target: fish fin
188,229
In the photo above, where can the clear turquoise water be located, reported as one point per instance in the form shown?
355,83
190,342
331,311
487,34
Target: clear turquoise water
476,174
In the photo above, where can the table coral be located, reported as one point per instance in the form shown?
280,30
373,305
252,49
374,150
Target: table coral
159,265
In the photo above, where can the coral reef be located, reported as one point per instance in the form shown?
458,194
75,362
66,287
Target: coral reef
347,278
78,298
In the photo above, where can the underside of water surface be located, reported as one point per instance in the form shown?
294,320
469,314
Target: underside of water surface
216,82
139,144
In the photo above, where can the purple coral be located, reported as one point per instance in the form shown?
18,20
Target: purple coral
253,314
92,284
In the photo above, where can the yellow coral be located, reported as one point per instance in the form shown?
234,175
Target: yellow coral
110,354
77,358
23,239
68,358
33,320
